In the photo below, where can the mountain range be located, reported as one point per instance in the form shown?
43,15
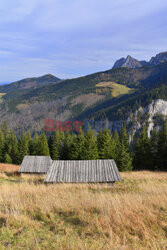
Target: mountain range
117,94
130,62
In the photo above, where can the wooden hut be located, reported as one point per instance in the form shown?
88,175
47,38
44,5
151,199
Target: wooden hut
35,164
86,171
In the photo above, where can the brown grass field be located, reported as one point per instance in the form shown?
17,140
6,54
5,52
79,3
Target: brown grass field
8,168
130,215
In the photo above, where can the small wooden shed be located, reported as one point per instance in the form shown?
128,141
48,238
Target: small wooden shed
85,171
35,164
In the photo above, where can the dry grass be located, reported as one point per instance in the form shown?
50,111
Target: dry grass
8,168
130,215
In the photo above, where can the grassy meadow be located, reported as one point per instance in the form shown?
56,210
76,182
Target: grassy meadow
1,95
116,89
130,215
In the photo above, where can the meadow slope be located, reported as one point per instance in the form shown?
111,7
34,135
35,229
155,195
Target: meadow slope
130,215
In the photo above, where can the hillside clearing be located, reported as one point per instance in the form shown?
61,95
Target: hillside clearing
117,89
130,215
1,95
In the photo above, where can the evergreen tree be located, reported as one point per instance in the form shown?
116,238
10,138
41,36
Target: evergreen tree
42,145
29,140
81,145
7,158
105,145
122,152
23,147
78,147
55,146
61,139
14,152
162,148
70,147
56,143
154,150
50,140
117,146
124,139
142,152
2,141
90,151
33,145
4,129
124,161
68,142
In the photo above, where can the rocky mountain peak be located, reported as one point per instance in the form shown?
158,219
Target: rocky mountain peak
159,58
129,62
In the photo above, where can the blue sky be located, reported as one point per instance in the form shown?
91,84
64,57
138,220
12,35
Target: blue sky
70,38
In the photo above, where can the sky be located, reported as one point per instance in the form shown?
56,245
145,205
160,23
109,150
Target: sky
71,38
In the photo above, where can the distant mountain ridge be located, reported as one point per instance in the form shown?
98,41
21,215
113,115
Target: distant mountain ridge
130,62
28,83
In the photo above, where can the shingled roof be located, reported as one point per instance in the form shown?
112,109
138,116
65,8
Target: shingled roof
86,171
35,164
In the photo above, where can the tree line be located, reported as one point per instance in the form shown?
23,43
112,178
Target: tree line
145,153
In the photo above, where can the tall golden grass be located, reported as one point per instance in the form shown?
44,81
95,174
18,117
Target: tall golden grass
130,215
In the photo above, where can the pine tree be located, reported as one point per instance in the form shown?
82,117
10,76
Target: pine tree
67,144
23,147
61,138
122,153
142,152
29,140
90,151
117,146
4,129
7,158
71,147
57,145
162,148
2,141
14,152
105,145
54,146
42,145
50,140
125,161
78,147
6,146
33,145
154,150
124,139
81,145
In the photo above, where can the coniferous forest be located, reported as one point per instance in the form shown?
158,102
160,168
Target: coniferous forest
144,153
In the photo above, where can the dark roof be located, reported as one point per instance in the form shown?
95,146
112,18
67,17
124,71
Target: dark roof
87,171
35,164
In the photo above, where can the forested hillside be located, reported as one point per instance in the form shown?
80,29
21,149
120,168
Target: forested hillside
147,153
